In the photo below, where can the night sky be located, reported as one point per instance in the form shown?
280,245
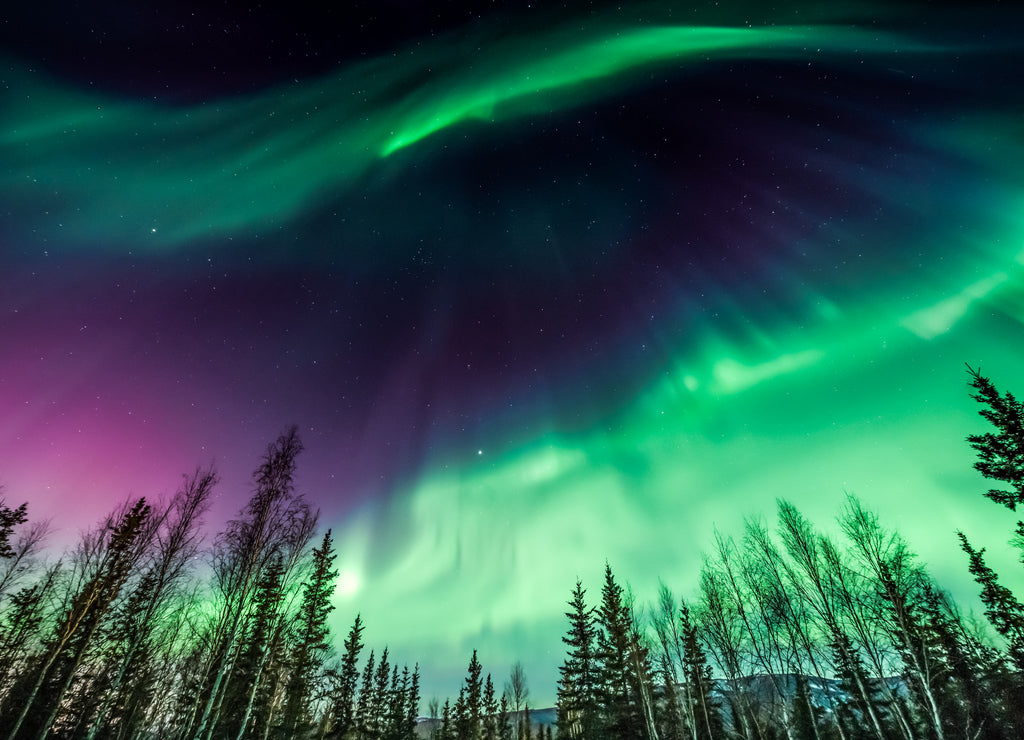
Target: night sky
541,286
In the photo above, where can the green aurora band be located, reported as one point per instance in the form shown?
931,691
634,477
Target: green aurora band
723,433
241,167
867,397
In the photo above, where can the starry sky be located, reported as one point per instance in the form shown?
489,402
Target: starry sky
540,285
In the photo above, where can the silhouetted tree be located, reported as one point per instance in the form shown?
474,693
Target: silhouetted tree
9,519
22,550
312,637
577,701
517,690
859,695
343,701
1000,453
377,715
242,553
525,723
106,559
412,704
623,669
366,703
22,619
703,707
474,699
1002,608
176,542
490,711
505,730
802,712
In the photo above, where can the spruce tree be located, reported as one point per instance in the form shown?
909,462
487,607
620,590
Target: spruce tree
504,724
379,705
525,723
1006,614
22,619
9,519
856,689
395,708
412,704
490,711
1000,453
698,682
446,730
578,711
366,704
671,725
460,715
1002,608
474,699
343,700
624,672
965,701
247,673
312,636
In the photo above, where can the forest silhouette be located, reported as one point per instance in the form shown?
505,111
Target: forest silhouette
147,629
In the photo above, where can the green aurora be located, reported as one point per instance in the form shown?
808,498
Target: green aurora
241,167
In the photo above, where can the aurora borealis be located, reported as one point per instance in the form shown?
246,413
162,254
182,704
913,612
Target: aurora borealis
540,288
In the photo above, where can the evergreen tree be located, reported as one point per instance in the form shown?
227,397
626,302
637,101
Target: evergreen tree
241,555
474,699
1002,608
22,619
247,672
624,675
707,724
460,715
490,711
671,725
965,701
394,708
412,705
525,723
312,636
125,676
343,700
9,519
578,711
801,711
109,557
504,725
366,704
446,730
1000,453
856,690
378,712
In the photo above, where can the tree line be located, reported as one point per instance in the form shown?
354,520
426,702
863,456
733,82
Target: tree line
144,630
798,635
124,638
